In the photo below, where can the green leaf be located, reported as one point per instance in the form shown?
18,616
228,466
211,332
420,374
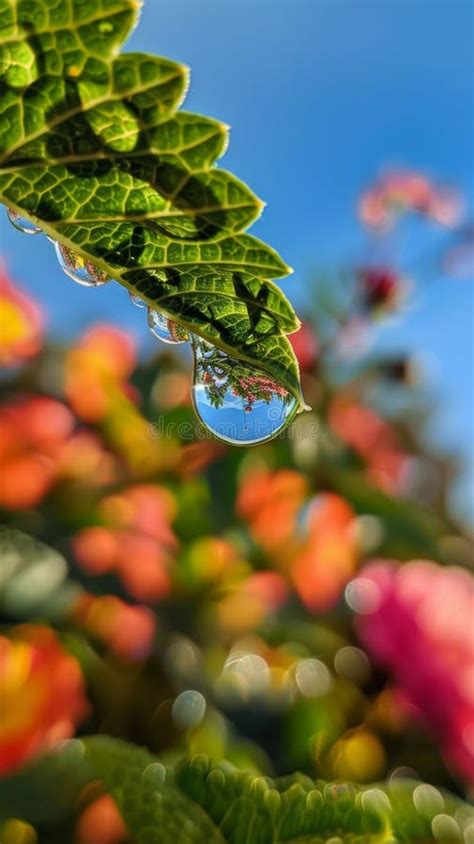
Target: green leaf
94,150
200,802
152,807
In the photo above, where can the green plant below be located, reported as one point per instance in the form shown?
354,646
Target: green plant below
200,802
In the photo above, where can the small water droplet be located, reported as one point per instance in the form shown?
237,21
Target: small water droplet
312,677
136,300
80,269
189,709
21,223
165,329
236,402
154,774
363,595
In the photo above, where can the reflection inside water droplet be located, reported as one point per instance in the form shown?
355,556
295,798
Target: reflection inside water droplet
165,329
79,269
136,300
236,402
21,223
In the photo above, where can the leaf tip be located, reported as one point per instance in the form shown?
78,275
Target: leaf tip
224,130
185,72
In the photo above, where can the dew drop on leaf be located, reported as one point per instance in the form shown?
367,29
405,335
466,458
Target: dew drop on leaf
21,223
136,300
236,402
80,269
165,329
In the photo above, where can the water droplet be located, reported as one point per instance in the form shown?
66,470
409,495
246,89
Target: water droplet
363,595
312,677
375,800
21,223
189,709
136,300
80,269
428,800
352,663
244,675
236,402
154,774
444,827
165,329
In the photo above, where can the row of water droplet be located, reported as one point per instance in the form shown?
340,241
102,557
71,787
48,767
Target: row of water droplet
235,402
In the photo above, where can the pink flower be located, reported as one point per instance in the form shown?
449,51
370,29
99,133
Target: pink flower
399,191
416,621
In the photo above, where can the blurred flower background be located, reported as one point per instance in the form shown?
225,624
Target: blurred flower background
306,604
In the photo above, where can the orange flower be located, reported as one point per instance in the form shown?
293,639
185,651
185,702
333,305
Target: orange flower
21,322
211,558
96,386
373,439
41,694
101,823
33,431
245,605
329,558
319,559
270,502
143,567
196,456
96,372
83,458
126,629
144,508
136,540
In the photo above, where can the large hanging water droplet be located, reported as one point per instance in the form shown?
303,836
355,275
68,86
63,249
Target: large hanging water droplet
165,329
21,223
80,269
236,402
136,300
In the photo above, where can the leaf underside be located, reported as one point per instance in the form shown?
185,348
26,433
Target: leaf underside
94,149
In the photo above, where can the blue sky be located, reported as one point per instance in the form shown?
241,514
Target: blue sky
320,94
